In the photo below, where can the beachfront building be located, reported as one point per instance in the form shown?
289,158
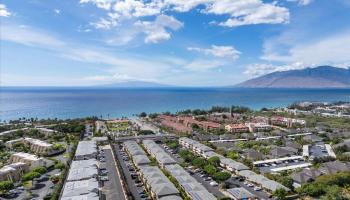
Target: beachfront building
31,160
205,125
237,128
13,172
172,122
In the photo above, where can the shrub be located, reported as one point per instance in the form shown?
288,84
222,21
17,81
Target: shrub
5,186
30,176
40,170
221,176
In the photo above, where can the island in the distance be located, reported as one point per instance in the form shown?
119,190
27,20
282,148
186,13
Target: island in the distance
319,77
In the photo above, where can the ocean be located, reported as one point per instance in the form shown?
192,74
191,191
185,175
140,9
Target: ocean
63,103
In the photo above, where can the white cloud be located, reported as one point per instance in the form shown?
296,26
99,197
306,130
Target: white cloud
246,12
218,51
103,4
57,11
109,78
302,2
3,11
24,35
330,50
255,70
239,12
157,30
104,23
204,65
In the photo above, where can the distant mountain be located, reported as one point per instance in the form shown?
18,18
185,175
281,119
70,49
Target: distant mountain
319,77
135,84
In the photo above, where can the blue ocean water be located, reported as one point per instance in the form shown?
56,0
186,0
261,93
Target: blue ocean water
80,102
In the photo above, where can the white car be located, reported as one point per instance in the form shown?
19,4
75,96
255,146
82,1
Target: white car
213,183
257,188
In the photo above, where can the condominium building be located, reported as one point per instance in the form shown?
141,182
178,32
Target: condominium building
236,128
13,172
31,160
35,145
258,127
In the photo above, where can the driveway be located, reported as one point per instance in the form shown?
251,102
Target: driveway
112,188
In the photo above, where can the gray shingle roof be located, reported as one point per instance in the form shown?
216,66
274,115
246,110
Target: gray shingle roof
156,151
86,148
158,182
76,188
190,185
82,169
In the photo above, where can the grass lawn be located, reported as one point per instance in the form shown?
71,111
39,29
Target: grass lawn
120,126
28,184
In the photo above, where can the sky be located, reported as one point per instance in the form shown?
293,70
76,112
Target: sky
174,42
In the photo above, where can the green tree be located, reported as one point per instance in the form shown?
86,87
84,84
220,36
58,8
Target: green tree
280,194
221,176
143,114
210,169
30,176
199,162
215,161
287,181
60,166
233,155
6,186
40,170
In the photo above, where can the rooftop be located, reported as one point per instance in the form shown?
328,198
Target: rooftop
86,148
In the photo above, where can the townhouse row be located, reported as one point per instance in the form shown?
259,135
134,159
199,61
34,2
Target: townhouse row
191,186
82,179
155,181
231,165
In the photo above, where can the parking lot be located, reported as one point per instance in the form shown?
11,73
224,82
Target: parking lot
135,186
112,187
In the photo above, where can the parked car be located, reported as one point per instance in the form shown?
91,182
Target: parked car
213,183
257,188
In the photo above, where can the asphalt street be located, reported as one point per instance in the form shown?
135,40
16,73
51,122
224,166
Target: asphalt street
113,187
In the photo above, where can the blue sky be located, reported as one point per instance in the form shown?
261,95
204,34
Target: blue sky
177,42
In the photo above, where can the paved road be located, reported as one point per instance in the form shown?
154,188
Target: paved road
212,189
129,181
144,137
113,187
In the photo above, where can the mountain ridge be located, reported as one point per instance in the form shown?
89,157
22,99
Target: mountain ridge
318,77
